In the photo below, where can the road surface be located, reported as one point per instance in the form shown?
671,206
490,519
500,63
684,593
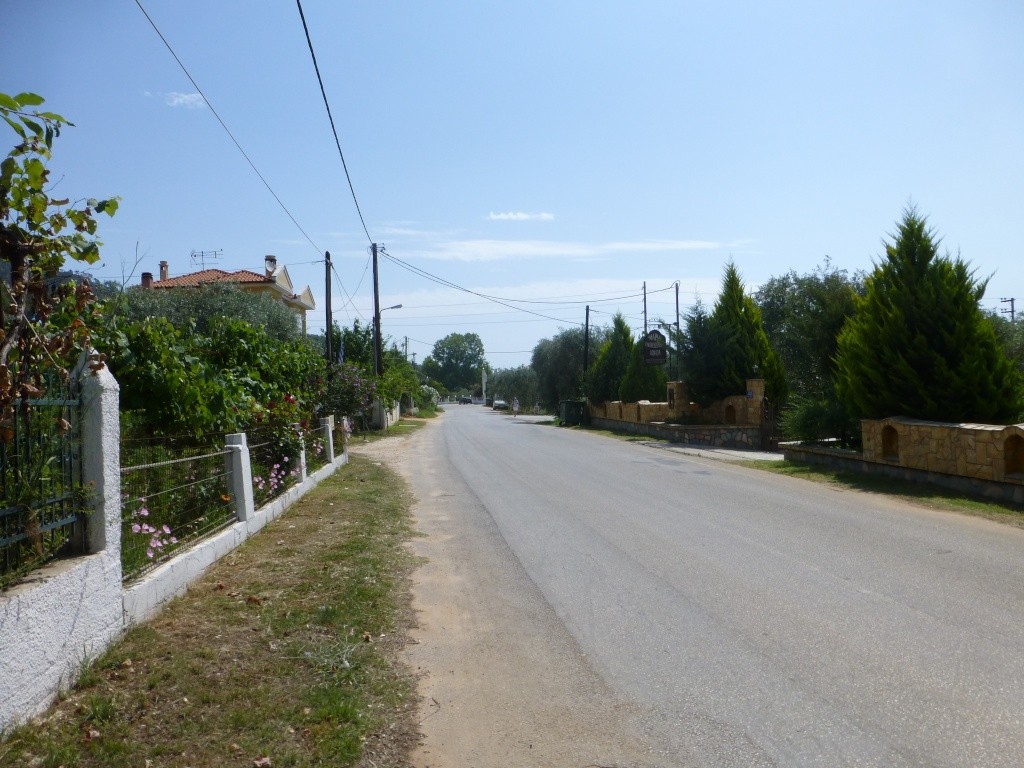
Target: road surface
594,602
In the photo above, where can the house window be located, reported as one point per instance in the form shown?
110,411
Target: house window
890,443
1013,455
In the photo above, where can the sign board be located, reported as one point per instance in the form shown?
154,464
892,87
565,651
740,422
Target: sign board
655,348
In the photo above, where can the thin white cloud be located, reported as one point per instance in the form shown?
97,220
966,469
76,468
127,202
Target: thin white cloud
501,250
520,216
187,100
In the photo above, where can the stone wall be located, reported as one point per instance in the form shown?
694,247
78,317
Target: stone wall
982,451
741,410
718,436
730,423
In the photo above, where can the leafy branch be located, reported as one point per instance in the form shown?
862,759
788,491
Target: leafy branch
42,322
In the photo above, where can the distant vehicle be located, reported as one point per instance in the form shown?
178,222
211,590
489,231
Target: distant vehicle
500,405
465,400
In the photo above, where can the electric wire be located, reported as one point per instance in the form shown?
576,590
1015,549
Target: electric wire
449,284
330,117
225,127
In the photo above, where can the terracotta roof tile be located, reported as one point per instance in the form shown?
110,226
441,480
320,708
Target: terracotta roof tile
206,276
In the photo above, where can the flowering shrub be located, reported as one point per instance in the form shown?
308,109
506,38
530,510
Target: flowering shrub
350,391
276,480
428,396
158,537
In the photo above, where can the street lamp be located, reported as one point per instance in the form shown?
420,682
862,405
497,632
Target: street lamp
378,354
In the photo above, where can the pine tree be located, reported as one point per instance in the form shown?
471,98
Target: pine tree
918,345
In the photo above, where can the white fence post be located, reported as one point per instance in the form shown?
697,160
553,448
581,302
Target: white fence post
239,469
101,458
327,426
302,452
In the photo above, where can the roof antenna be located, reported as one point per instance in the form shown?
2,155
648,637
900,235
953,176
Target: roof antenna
200,257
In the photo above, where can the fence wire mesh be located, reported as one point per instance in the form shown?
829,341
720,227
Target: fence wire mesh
316,448
173,493
42,501
274,454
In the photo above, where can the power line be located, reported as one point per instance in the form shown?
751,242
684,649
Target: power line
330,117
225,127
449,284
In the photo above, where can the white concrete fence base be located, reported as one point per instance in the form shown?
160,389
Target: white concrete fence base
69,612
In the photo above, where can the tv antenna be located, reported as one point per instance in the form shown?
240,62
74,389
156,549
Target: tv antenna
200,257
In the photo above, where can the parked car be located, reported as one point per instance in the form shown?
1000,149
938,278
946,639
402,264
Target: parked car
500,405
465,400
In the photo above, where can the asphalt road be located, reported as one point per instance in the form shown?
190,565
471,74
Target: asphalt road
731,616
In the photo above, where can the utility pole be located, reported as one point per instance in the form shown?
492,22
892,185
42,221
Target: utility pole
327,333
406,353
586,342
645,307
1009,311
378,354
678,334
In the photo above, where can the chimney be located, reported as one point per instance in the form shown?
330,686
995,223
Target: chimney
147,280
163,270
271,265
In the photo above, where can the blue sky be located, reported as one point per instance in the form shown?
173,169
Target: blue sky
562,153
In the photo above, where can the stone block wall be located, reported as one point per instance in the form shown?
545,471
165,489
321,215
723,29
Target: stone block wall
980,451
740,410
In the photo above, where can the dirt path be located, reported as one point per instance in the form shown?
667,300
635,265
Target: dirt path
503,682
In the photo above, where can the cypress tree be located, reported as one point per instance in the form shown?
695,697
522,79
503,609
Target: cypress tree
642,381
918,346
605,375
747,352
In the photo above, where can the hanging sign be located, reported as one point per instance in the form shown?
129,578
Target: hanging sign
655,348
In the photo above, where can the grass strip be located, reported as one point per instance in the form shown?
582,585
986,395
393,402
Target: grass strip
929,495
283,654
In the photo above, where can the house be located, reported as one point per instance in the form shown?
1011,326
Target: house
274,281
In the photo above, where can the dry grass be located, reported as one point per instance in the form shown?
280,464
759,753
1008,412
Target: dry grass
287,649
926,494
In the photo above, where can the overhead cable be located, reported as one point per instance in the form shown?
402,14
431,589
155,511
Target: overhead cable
225,127
330,117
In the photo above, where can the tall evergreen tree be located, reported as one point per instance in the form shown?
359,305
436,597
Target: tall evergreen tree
703,355
918,345
734,348
605,375
641,380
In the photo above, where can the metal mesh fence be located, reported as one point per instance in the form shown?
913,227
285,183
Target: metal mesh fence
42,502
316,448
173,493
274,453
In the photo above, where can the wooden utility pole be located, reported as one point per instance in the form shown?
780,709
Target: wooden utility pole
586,342
378,354
1010,310
645,307
679,336
328,332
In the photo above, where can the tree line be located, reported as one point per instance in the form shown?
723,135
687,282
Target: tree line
907,338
